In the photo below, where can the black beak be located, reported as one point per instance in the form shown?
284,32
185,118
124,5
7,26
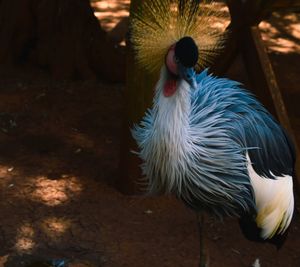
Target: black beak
189,75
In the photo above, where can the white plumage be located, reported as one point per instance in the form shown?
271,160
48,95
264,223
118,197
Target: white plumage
274,200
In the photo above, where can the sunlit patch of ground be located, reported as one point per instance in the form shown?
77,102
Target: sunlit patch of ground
55,227
55,192
24,239
281,32
110,13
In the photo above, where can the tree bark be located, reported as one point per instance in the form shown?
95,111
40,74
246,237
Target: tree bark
137,98
61,35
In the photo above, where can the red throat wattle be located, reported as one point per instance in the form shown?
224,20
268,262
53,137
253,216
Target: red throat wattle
170,87
171,84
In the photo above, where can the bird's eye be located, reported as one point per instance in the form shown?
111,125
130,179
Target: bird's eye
176,59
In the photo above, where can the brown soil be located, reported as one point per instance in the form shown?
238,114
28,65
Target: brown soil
59,156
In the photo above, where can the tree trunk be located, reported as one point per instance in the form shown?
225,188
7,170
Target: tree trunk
62,35
137,98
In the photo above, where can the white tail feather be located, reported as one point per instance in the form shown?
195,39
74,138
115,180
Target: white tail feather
274,202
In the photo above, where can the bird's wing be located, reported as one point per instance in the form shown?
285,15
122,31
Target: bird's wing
270,154
269,147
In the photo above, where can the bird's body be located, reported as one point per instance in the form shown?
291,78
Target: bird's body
212,144
218,149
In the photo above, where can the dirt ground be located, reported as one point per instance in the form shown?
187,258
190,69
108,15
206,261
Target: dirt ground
59,158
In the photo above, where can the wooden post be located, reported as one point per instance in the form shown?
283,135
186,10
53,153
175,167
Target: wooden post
264,83
245,38
138,97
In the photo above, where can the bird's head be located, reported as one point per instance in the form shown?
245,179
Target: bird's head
169,35
180,61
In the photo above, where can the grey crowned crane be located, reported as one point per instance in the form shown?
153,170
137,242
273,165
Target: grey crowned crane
206,139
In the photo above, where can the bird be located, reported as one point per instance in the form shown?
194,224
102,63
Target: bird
207,139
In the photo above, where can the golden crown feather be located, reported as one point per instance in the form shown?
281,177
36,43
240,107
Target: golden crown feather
158,24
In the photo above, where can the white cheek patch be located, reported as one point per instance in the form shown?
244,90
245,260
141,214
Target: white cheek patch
274,202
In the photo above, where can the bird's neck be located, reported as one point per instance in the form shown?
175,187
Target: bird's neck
172,112
171,126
